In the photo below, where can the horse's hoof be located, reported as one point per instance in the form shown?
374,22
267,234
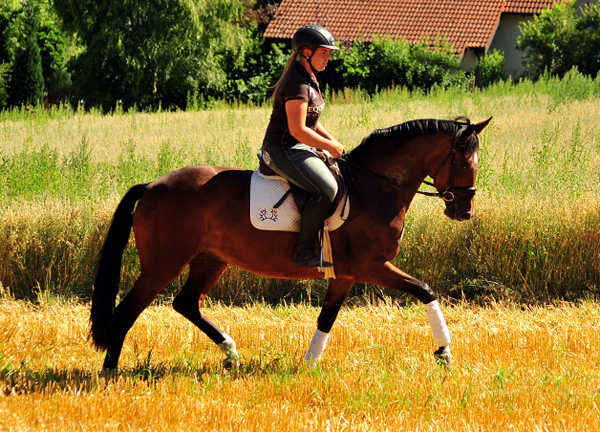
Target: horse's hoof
310,362
231,362
443,356
108,372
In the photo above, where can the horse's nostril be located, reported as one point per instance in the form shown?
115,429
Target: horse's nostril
465,216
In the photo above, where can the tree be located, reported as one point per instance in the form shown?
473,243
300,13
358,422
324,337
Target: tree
253,80
558,40
491,67
27,81
386,62
145,53
54,46
4,77
589,29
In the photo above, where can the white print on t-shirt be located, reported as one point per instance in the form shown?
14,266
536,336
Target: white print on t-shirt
314,111
316,108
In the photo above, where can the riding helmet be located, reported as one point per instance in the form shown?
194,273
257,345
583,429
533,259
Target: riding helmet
313,36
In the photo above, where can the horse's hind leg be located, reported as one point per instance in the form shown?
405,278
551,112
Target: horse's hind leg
204,273
139,298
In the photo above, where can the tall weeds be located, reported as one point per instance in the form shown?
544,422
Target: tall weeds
535,237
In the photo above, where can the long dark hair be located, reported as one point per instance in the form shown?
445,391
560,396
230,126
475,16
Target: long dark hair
293,58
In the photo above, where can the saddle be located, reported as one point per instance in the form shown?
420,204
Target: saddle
272,209
302,196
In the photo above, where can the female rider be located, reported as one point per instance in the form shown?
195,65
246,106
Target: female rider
294,132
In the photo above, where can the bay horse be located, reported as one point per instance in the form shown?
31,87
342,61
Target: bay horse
199,216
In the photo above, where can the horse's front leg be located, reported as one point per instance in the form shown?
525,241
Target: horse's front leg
389,276
334,298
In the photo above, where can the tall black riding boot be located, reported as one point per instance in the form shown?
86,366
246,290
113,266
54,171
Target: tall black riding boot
313,216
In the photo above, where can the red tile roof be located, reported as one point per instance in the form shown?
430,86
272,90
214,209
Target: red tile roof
528,7
466,23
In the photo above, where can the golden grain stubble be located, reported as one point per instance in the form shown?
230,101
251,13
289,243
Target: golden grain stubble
515,369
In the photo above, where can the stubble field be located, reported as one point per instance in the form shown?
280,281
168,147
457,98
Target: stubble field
522,369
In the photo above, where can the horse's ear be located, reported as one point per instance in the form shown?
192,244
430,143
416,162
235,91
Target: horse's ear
469,130
466,133
479,126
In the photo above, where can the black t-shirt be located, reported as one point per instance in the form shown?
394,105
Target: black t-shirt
296,84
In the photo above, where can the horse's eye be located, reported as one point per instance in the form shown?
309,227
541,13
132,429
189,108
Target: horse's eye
464,165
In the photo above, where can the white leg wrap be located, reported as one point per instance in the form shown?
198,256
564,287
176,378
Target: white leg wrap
441,335
228,347
317,345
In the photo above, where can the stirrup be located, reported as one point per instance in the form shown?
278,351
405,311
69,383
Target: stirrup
311,261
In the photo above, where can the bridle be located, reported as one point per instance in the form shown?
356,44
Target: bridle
449,195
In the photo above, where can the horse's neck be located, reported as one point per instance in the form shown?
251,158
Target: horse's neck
380,193
401,164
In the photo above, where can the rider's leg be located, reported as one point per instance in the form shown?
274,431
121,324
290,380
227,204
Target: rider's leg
313,215
301,166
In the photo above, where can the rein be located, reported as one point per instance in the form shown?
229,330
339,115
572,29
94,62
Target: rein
448,195
390,181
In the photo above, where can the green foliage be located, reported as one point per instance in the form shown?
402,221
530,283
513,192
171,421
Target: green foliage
251,81
386,63
146,54
4,77
573,86
49,42
558,40
54,48
9,32
170,54
491,66
27,81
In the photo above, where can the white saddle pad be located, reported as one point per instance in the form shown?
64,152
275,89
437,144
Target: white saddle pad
266,191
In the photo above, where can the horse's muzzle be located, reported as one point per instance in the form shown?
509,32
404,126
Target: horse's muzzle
460,216
461,210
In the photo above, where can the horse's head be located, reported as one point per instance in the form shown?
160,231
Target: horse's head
455,169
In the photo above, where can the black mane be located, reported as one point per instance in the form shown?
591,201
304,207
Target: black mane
403,132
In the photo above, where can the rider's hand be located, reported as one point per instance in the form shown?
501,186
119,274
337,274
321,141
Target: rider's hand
336,149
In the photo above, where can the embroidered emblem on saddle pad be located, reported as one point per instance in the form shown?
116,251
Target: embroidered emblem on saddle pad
267,191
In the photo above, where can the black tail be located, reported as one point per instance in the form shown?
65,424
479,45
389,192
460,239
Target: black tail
109,267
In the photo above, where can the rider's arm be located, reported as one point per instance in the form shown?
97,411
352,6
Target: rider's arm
323,132
296,110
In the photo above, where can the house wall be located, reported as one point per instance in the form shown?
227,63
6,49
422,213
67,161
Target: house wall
584,2
506,36
505,40
469,60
